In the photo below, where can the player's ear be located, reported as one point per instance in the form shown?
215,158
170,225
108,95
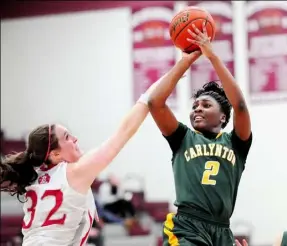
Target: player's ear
54,154
222,118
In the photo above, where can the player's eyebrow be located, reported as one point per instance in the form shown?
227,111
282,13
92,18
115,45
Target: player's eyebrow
204,99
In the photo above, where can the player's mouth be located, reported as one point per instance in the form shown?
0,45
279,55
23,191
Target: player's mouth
197,118
77,148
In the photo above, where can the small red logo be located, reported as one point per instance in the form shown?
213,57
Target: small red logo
45,179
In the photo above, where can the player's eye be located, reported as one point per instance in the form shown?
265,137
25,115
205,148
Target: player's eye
207,105
67,136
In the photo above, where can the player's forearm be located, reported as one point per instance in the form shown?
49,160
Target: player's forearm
242,122
133,120
229,84
93,162
127,128
167,84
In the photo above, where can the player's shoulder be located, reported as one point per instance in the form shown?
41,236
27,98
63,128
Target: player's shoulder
227,136
52,169
51,174
233,137
183,126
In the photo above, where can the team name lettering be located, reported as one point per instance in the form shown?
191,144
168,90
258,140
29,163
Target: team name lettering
217,150
178,21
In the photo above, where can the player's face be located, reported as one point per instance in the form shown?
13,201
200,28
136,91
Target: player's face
69,150
206,114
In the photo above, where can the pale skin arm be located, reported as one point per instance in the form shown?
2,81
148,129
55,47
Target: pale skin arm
242,123
244,243
82,174
278,240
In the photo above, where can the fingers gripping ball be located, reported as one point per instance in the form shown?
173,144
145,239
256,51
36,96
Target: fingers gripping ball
183,21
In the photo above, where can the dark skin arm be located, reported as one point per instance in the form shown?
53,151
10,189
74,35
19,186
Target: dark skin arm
242,123
161,113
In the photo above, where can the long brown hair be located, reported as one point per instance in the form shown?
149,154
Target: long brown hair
17,170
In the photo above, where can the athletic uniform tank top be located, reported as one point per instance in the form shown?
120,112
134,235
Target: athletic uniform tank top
54,213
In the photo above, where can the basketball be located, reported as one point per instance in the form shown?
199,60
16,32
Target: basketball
183,21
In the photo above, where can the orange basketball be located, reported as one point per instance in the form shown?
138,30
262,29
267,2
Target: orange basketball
184,20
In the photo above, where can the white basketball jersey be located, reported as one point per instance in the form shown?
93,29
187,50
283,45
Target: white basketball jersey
55,214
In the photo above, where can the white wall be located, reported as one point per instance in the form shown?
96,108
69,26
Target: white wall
76,69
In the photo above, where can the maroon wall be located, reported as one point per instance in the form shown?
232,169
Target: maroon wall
17,9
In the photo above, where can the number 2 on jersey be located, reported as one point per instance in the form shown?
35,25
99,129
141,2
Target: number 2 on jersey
58,195
211,169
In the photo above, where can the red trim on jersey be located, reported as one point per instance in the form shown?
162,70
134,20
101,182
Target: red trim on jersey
84,239
45,167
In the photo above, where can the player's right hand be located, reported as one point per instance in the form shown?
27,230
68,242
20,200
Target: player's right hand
192,57
244,243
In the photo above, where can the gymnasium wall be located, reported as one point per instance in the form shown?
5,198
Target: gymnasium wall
76,69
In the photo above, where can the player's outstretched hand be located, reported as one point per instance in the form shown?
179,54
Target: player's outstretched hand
244,243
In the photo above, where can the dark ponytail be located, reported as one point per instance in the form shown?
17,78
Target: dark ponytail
17,171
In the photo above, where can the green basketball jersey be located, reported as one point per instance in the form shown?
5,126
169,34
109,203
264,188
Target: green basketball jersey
284,239
207,171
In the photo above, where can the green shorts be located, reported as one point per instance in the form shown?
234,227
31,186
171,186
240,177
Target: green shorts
180,230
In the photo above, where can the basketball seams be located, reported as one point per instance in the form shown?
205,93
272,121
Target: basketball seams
181,13
195,15
191,22
188,10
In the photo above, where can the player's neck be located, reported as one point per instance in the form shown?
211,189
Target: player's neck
209,134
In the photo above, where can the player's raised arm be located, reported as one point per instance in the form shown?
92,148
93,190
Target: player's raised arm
82,173
161,113
242,123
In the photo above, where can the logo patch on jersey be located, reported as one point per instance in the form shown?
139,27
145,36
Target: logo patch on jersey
45,179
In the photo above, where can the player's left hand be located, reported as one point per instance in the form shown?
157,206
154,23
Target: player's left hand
201,39
244,243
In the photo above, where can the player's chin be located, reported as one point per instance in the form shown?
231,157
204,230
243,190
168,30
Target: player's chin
79,154
199,125
78,151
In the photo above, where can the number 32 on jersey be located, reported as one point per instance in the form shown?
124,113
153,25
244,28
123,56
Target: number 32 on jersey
57,195
211,169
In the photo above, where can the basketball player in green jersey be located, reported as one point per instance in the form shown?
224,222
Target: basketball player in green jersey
280,241
207,163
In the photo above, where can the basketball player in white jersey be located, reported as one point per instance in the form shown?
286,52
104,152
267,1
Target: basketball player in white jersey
56,178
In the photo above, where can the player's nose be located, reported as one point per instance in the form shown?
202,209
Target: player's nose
198,109
75,139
